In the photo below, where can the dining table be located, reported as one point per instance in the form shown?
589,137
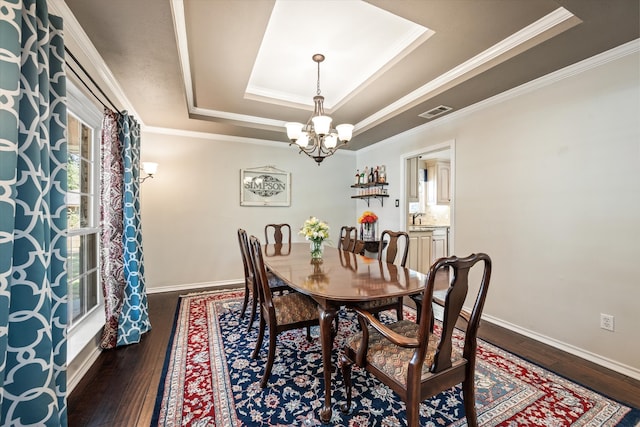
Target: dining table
337,280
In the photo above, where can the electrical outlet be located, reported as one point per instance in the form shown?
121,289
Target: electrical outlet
606,322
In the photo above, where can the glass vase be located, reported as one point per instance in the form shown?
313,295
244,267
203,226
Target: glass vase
316,249
369,232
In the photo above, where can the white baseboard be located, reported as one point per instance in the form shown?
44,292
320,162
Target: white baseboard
191,286
82,370
576,351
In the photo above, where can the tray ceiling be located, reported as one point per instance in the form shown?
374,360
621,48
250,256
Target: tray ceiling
242,68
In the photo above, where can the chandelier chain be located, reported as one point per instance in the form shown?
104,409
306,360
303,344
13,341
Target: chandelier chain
318,84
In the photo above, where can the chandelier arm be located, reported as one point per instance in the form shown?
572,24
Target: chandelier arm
318,159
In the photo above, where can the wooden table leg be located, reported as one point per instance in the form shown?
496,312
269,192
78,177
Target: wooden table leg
327,315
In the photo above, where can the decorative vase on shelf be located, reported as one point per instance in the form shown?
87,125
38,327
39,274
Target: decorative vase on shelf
316,249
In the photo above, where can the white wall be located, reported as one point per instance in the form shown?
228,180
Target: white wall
191,208
547,182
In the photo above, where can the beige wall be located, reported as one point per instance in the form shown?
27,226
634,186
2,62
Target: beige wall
548,184
191,208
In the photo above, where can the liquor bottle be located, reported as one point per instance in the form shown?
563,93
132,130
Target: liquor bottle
366,175
357,181
376,175
382,176
371,174
361,177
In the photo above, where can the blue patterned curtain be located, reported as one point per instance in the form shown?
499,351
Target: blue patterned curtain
134,317
121,265
33,216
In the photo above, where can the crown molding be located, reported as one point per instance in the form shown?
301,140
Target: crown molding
470,67
611,55
224,138
74,30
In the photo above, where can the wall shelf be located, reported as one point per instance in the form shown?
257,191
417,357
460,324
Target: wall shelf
375,191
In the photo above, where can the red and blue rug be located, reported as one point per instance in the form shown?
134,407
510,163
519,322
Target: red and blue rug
210,379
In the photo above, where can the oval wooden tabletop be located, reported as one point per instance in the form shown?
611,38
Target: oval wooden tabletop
340,275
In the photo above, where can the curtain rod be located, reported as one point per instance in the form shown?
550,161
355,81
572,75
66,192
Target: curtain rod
91,79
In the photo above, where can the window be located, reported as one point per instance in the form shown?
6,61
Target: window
86,304
83,220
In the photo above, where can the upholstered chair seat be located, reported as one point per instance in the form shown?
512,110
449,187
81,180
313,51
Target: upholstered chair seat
294,308
394,360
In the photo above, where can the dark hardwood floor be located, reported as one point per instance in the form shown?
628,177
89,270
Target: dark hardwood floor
120,388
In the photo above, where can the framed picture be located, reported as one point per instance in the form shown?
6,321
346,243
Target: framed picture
265,186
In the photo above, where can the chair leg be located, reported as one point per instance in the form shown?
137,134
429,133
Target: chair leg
432,322
399,310
261,329
419,311
246,299
413,414
270,358
309,333
469,401
254,305
346,376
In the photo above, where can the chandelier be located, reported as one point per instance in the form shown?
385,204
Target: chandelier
316,138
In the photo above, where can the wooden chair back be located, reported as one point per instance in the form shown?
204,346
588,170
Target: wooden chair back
390,243
279,233
348,238
358,247
260,275
425,363
292,310
243,242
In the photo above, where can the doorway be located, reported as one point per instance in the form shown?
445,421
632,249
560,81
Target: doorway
420,203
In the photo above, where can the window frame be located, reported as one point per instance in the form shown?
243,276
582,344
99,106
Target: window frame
85,328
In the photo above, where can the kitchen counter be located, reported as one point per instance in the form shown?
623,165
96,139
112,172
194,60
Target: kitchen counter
426,227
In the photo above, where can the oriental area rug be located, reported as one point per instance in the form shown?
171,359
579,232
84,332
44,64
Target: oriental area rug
210,379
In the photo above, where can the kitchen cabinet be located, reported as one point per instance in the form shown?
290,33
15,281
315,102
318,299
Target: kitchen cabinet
425,247
439,244
420,251
412,183
438,182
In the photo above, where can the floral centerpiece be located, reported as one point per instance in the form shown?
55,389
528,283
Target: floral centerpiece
317,232
367,223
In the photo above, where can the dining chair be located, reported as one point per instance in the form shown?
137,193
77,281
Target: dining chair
358,247
279,233
348,238
441,282
278,312
392,244
250,286
410,358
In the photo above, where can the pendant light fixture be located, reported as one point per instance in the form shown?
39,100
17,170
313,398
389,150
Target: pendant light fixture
316,138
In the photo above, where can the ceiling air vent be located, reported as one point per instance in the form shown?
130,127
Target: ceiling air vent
435,112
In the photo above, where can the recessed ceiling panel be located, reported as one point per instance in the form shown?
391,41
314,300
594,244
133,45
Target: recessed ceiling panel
358,40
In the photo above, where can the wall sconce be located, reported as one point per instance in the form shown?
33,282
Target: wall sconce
150,169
